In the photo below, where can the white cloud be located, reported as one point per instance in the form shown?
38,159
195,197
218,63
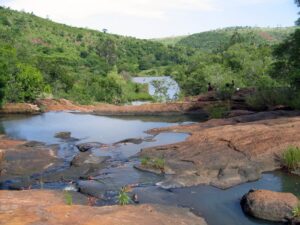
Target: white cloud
79,9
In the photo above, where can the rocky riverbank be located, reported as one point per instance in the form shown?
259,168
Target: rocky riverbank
226,152
50,208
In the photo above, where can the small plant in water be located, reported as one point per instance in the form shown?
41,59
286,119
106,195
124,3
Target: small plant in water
291,158
123,197
68,198
296,211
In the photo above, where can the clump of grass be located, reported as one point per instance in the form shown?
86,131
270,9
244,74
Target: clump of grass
218,112
291,158
296,211
123,197
68,198
156,163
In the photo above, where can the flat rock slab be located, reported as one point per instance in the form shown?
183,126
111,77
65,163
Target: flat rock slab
227,152
48,208
269,205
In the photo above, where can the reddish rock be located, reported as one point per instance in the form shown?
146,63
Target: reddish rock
19,108
269,205
49,208
227,152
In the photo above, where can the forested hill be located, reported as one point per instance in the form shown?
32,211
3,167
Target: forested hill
212,41
73,60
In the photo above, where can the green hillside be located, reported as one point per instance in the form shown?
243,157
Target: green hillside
76,63
214,40
170,40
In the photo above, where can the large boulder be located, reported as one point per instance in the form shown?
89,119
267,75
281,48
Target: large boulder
269,205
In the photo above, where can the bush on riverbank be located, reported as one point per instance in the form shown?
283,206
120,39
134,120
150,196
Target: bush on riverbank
291,158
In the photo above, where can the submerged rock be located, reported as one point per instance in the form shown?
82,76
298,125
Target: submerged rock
84,147
269,205
87,158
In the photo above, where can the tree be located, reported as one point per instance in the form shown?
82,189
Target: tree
24,85
298,4
7,62
287,65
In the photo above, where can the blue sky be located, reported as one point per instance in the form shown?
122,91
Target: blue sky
161,18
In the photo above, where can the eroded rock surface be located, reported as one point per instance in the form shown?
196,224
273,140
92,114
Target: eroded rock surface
27,207
227,152
269,205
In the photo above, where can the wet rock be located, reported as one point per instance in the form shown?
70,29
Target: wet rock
227,152
49,208
88,146
87,158
269,205
136,141
28,159
63,135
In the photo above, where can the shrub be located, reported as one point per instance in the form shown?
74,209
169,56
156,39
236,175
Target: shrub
291,158
296,211
68,198
217,112
123,197
156,163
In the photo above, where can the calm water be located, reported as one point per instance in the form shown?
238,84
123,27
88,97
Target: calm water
218,207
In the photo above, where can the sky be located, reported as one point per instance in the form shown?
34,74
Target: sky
161,18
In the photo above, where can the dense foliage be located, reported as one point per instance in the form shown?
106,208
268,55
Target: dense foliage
40,58
80,64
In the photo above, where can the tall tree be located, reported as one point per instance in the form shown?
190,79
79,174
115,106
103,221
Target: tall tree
298,4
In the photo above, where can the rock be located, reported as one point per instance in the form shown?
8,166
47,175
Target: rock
227,152
235,113
88,146
136,141
49,208
87,158
1,161
26,160
269,205
63,135
19,108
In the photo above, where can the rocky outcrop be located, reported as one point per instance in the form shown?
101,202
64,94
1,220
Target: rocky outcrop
227,152
22,159
19,108
28,207
269,205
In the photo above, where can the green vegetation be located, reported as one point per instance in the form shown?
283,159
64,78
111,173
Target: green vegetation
291,158
213,41
156,163
75,63
296,211
123,197
68,198
217,112
40,58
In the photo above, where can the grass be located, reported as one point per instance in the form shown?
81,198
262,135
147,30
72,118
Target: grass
68,198
217,112
123,197
291,158
156,163
296,211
